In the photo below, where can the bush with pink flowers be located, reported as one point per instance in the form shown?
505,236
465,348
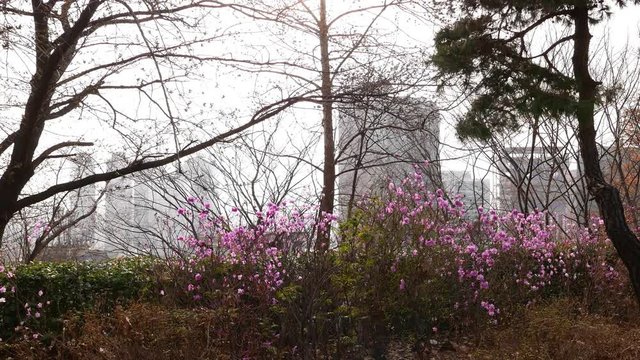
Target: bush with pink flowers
415,261
409,263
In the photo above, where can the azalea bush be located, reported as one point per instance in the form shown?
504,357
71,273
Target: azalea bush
244,268
415,262
246,262
409,263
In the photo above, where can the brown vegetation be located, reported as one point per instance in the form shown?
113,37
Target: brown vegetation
561,329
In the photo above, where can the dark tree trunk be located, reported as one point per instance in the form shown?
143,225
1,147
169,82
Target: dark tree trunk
607,197
50,64
329,167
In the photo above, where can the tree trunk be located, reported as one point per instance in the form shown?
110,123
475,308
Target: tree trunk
329,167
50,63
607,197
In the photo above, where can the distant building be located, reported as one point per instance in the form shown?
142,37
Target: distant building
120,192
82,202
76,241
144,206
475,191
551,180
383,143
118,208
532,179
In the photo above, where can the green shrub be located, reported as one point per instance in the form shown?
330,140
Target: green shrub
39,294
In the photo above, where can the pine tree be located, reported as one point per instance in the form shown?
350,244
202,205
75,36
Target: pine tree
489,50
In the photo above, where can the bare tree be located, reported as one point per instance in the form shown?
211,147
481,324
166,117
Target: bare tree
618,113
325,46
539,166
234,183
75,62
381,139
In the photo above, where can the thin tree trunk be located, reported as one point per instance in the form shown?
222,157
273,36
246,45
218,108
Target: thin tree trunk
358,165
619,161
329,167
607,197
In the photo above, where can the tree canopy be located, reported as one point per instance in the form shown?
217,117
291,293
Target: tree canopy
490,50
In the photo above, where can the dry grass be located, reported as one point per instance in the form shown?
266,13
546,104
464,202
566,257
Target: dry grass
560,331
145,331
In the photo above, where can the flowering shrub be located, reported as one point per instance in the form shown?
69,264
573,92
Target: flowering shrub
408,262
416,261
253,257
243,267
